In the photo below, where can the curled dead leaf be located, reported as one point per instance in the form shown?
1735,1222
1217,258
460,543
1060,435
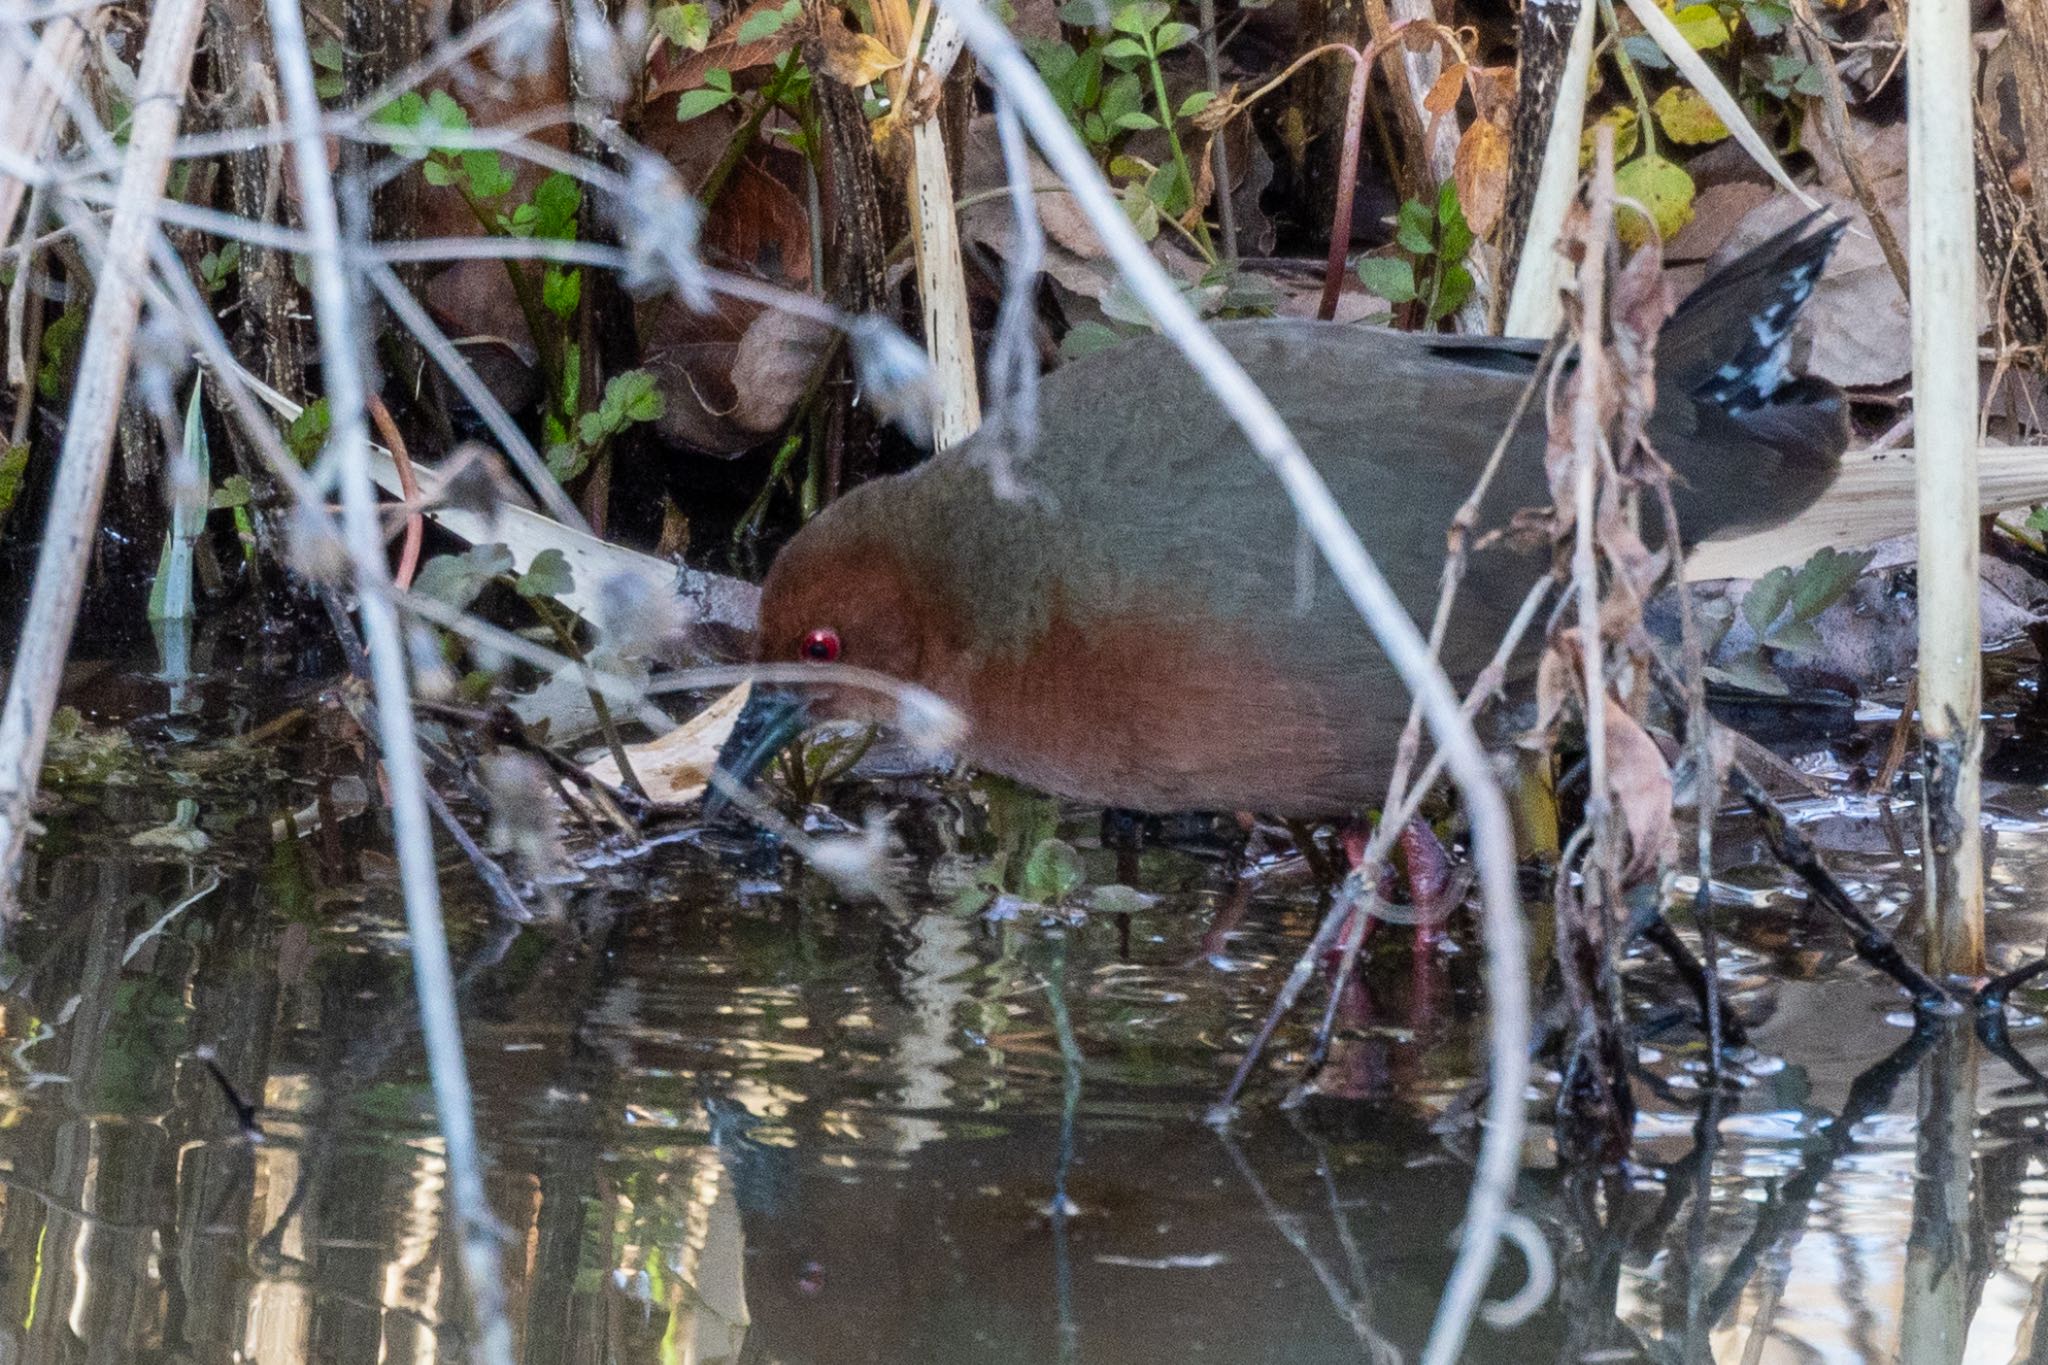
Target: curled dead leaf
1481,171
1218,111
1639,783
854,58
676,767
1443,96
1493,92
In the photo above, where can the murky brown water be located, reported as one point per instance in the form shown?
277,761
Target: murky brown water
733,1119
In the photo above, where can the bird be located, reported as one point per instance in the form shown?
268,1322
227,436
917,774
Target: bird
1142,626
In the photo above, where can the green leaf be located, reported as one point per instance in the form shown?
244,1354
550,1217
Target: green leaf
1171,36
1453,288
1799,636
1628,133
1414,228
687,26
1121,96
1390,277
1766,18
422,124
485,171
547,576
308,431
1661,188
697,103
1823,579
766,24
1642,49
561,291
1750,673
1454,236
438,173
1086,338
60,339
633,397
718,78
552,214
565,460
13,466
1085,13
1195,103
1702,26
457,579
1137,121
234,491
328,58
1139,18
1169,189
2037,520
1051,873
1139,208
1125,51
217,267
1766,599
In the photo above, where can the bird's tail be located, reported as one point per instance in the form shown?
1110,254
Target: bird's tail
1730,342
1752,444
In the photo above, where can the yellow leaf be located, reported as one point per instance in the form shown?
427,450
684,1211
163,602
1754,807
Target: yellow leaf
855,59
1652,185
1702,26
1626,135
1686,117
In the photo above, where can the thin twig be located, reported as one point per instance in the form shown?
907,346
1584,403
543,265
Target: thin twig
415,519
349,443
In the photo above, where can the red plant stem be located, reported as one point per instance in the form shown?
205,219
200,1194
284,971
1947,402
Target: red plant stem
408,486
1347,181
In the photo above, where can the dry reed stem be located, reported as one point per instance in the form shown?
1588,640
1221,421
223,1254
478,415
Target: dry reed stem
1493,840
29,126
1942,236
68,533
1533,306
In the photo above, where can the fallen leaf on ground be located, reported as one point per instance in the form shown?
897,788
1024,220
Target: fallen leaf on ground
676,768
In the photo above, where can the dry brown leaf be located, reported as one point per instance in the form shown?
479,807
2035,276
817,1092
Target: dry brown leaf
856,59
676,767
1493,92
1639,781
1481,171
1443,96
778,356
759,225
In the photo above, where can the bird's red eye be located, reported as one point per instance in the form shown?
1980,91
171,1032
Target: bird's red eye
821,646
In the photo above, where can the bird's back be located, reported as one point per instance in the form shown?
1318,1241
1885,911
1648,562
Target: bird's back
1148,515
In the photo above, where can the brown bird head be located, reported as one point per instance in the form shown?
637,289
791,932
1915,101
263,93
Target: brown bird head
841,593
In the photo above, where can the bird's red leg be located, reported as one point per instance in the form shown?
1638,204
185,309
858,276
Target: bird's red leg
1428,868
1429,882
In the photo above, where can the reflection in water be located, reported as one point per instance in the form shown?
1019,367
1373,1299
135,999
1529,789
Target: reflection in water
760,1125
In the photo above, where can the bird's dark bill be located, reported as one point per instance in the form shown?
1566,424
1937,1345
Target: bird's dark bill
769,722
